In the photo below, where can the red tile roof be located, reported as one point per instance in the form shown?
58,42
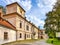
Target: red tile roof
6,23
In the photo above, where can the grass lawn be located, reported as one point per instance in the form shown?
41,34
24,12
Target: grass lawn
21,42
55,41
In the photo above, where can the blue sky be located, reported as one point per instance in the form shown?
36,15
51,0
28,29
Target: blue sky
35,9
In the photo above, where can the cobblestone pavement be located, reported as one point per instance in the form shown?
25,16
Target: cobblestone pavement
41,42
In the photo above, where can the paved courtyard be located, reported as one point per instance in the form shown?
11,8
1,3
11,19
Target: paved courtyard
41,42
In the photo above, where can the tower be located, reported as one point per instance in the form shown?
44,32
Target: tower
15,8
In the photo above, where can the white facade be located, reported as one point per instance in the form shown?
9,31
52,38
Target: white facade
11,35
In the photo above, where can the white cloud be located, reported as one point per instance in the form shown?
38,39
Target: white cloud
45,6
40,5
11,1
49,2
35,20
46,3
25,4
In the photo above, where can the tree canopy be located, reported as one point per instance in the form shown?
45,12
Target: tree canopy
52,22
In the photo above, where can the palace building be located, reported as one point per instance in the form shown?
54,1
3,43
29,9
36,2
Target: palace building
14,26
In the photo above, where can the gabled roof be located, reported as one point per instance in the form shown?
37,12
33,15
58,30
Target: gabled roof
6,23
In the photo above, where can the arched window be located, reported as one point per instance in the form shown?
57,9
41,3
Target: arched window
20,25
20,35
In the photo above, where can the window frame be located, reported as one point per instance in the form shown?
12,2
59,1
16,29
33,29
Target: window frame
20,24
27,27
20,35
5,35
21,11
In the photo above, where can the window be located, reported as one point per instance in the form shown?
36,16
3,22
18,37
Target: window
27,35
41,33
5,35
0,14
27,27
21,11
20,35
20,25
32,29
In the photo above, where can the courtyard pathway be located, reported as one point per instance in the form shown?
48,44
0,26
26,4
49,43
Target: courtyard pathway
41,42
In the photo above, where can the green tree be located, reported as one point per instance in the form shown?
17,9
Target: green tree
52,22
